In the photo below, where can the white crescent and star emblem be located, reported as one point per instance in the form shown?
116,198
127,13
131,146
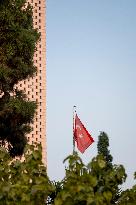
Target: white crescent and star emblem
80,135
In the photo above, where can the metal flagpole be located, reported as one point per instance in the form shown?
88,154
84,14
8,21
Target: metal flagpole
74,112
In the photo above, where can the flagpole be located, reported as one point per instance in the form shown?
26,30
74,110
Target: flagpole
74,112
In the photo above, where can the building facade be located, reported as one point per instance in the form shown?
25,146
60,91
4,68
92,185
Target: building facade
35,87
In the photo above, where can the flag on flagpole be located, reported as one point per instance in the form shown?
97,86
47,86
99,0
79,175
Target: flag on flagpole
81,135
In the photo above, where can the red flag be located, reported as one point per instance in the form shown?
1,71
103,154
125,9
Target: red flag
82,136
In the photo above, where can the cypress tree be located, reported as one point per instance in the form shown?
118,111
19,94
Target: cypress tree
102,147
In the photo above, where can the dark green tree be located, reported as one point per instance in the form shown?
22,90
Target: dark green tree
102,147
17,46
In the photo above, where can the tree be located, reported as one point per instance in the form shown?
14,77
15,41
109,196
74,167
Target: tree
91,184
26,182
102,146
17,46
128,197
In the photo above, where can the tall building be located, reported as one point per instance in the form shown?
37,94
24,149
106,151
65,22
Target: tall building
35,88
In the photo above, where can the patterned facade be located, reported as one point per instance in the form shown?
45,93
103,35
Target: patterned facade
35,87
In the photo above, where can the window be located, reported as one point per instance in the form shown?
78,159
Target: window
36,132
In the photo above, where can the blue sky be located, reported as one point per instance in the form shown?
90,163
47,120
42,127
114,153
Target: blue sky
91,63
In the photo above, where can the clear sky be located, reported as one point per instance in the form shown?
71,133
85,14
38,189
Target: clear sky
91,63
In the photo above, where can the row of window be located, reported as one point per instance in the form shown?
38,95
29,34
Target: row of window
35,3
32,90
36,119
38,59
29,86
38,27
33,141
33,97
33,137
40,84
39,53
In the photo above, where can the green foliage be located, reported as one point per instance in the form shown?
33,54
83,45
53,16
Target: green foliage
26,182
58,186
102,146
94,184
114,172
17,43
17,46
128,197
